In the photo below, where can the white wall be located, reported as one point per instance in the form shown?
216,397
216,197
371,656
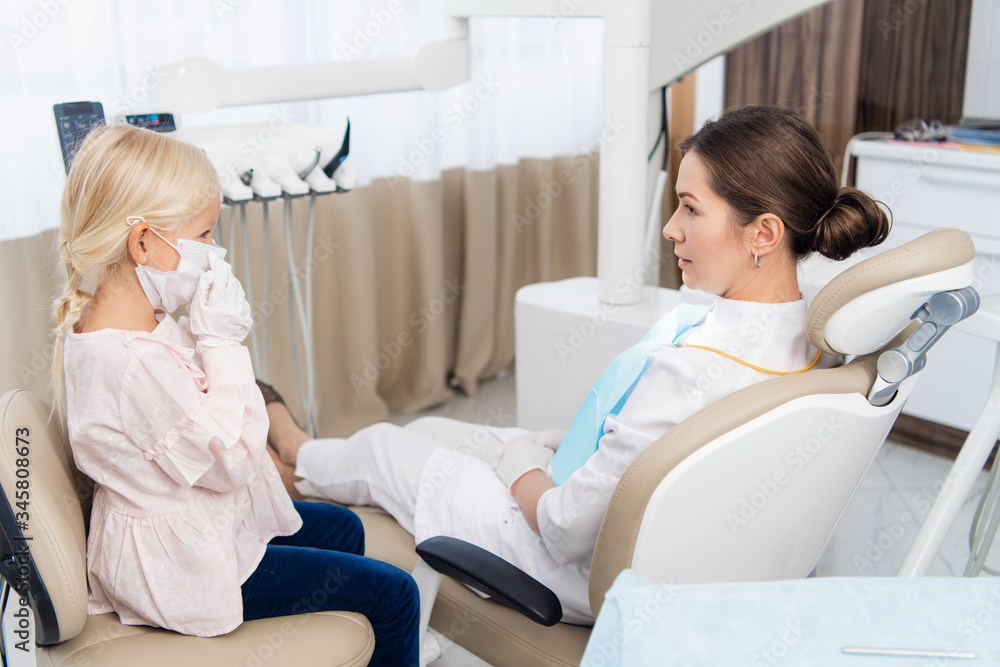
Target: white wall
982,79
710,88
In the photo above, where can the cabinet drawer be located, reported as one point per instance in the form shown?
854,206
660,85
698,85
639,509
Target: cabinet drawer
926,188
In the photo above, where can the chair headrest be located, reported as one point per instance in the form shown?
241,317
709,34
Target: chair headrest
860,310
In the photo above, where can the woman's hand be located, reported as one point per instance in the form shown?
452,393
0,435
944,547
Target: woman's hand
550,438
527,491
520,455
521,467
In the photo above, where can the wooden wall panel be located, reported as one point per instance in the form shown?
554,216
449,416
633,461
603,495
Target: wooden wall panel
810,64
915,53
681,126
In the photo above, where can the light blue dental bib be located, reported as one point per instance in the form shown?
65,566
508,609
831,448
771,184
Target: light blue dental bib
615,385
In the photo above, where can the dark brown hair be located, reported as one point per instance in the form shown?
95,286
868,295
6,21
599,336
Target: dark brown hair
764,159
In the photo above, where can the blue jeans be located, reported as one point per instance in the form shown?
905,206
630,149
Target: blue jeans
320,568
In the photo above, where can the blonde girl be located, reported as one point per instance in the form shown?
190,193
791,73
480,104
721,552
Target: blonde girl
191,528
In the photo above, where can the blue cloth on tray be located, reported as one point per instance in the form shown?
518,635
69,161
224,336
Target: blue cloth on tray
801,622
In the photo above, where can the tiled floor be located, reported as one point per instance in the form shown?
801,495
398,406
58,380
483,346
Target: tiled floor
878,526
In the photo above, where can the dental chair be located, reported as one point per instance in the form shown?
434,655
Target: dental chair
749,488
43,550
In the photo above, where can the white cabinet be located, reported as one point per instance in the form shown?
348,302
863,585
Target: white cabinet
925,188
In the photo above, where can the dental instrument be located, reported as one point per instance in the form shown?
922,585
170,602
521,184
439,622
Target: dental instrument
319,181
919,653
266,293
297,306
288,161
300,302
255,350
334,165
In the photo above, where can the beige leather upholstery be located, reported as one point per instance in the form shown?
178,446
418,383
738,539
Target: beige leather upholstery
504,638
617,538
55,522
58,547
939,250
322,638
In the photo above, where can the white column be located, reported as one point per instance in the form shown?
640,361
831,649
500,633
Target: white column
622,195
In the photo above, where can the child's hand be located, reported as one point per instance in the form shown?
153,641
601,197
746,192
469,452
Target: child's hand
219,312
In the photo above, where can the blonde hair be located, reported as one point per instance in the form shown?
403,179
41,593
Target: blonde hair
119,171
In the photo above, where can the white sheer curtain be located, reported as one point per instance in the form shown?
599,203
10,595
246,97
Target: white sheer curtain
534,89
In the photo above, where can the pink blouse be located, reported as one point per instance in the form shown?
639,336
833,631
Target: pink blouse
186,496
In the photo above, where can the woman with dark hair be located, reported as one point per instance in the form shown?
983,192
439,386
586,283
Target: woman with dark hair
757,192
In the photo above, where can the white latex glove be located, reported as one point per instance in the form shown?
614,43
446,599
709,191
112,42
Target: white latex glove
219,313
550,438
520,455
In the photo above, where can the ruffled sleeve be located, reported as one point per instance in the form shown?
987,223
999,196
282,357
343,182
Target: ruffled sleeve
197,426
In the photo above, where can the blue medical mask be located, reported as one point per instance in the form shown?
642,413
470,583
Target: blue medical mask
169,290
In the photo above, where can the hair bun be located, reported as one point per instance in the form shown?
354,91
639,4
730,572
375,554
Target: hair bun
852,222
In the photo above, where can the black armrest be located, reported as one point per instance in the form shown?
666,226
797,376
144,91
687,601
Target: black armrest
487,572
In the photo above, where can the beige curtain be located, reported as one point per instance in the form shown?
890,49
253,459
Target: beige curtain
413,284
31,274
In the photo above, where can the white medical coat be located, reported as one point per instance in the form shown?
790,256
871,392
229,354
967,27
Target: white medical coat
470,502
457,494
